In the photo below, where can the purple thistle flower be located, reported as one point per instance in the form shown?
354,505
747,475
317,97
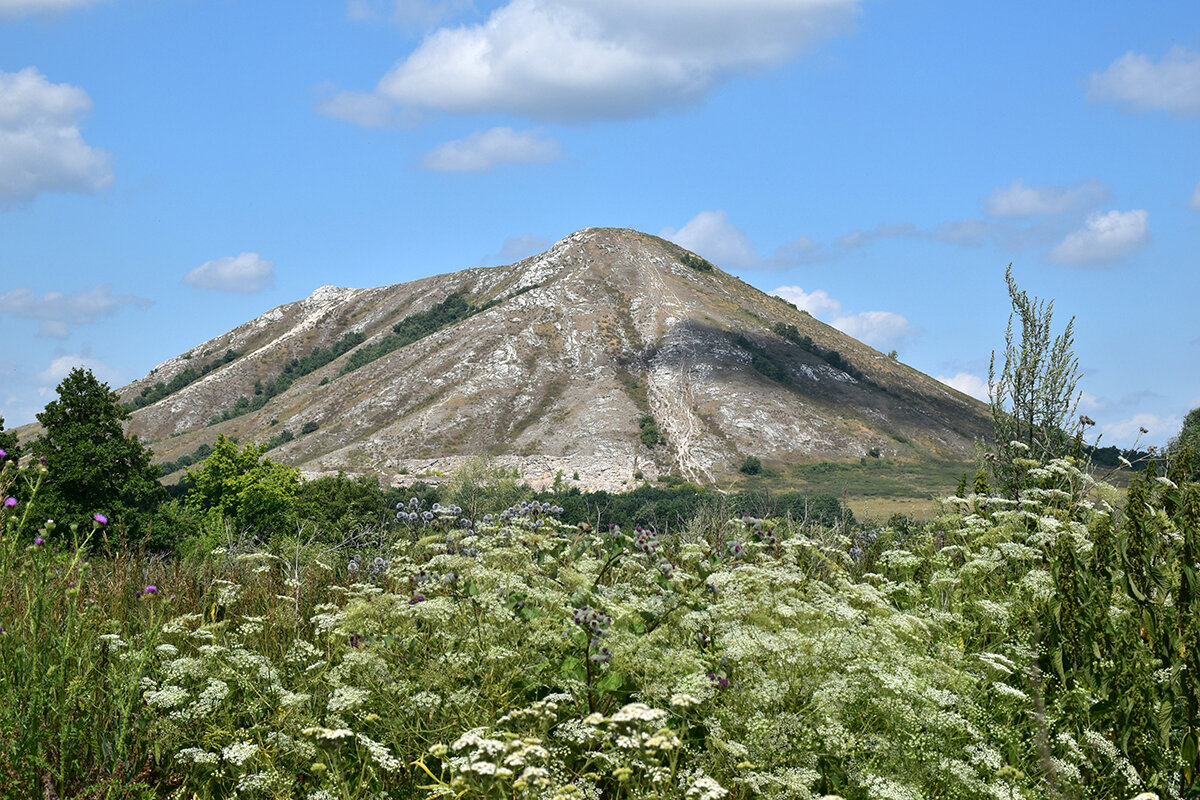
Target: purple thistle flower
151,589
9,502
3,455
38,541
100,518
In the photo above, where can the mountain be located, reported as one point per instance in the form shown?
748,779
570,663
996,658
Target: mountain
611,353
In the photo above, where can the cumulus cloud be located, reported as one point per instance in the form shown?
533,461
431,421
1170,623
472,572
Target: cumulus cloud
245,273
1127,431
58,311
20,8
584,60
817,303
1134,81
61,367
41,147
967,383
1019,200
712,235
1105,238
483,151
880,329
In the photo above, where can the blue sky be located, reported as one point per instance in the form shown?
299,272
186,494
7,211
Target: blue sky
172,168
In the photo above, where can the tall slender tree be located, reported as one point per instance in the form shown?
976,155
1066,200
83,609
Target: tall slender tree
1033,398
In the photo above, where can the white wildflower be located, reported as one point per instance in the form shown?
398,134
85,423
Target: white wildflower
379,753
168,697
705,788
168,650
239,753
196,756
345,698
1008,691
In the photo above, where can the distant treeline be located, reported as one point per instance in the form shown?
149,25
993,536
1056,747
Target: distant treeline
296,368
831,357
450,311
152,394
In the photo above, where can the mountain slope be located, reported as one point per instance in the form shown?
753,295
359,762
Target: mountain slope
553,361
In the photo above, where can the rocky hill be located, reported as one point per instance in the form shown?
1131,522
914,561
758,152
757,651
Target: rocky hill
612,353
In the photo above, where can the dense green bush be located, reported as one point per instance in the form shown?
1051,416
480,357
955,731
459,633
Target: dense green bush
189,375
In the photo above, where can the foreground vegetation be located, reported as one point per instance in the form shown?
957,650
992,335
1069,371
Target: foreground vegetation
1042,646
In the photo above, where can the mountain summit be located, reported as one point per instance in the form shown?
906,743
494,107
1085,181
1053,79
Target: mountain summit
611,353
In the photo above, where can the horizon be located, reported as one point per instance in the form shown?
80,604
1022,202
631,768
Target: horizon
171,171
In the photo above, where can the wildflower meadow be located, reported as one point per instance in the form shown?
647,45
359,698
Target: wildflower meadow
1042,645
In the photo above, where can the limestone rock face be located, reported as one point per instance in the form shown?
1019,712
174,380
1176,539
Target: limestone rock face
573,348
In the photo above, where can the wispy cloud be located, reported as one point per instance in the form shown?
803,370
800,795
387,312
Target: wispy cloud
41,146
1134,81
59,311
1196,198
1022,201
246,273
411,14
517,247
483,151
21,8
1104,238
585,60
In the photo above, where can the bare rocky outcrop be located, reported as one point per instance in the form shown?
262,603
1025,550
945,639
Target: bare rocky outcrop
581,343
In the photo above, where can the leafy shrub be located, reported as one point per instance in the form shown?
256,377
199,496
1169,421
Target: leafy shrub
152,394
294,369
309,427
751,466
650,435
696,262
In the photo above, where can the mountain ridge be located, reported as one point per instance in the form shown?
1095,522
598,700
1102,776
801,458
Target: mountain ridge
559,358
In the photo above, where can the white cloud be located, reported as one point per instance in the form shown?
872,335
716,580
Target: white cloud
1196,198
360,108
967,383
483,151
58,311
880,329
415,14
1127,431
583,60
20,8
1133,80
41,148
1104,238
242,273
1019,200
817,303
61,367
712,235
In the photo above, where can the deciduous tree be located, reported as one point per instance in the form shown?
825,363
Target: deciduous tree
94,467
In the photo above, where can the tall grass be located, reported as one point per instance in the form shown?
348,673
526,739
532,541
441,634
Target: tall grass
514,655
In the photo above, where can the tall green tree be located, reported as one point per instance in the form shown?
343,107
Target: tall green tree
1033,397
246,488
93,467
